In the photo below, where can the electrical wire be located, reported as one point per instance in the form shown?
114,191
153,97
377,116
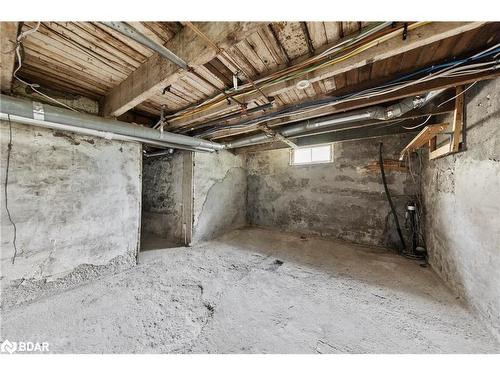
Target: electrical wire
387,88
221,52
418,195
419,125
6,185
451,71
33,86
210,103
456,96
389,199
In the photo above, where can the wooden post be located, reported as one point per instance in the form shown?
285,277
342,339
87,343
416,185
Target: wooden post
458,118
432,144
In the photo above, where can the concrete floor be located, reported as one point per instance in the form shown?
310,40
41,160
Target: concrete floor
257,291
151,241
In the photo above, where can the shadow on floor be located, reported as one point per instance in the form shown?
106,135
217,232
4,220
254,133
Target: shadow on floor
151,241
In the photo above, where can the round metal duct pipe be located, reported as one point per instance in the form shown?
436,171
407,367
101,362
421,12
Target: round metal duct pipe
375,112
35,113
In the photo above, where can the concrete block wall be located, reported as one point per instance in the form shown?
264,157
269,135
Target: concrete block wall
462,201
339,199
220,188
76,200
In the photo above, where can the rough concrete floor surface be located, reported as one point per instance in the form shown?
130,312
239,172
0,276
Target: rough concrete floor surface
256,291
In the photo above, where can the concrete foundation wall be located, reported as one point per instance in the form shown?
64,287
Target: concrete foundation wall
220,188
74,199
462,199
162,196
339,199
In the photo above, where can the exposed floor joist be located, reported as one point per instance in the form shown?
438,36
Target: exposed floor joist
8,36
417,38
420,88
157,72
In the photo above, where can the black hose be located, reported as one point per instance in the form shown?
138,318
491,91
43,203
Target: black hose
388,195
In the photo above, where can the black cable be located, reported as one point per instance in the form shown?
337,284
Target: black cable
9,147
393,209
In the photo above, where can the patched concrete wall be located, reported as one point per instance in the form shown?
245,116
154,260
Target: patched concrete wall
220,188
339,199
162,196
74,199
462,199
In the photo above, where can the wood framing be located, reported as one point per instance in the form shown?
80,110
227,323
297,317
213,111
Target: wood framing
440,151
422,138
417,89
458,119
453,145
157,72
417,38
8,37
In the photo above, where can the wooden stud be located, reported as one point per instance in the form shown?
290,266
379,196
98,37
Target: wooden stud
458,118
432,144
423,138
440,151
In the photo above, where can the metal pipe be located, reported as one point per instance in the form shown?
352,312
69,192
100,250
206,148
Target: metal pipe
35,113
375,112
231,116
132,33
158,153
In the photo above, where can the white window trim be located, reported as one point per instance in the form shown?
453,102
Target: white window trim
291,163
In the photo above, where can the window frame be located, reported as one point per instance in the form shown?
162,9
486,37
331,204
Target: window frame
311,163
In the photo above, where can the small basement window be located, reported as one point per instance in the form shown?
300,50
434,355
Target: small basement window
311,155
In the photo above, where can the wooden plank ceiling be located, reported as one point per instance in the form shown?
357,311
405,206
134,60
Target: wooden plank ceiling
90,59
86,58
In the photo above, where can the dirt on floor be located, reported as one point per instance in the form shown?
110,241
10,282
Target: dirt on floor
255,291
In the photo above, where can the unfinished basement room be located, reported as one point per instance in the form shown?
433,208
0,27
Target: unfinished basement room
250,187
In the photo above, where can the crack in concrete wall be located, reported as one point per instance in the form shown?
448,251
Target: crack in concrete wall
219,194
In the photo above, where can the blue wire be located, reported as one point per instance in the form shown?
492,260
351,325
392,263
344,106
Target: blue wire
335,98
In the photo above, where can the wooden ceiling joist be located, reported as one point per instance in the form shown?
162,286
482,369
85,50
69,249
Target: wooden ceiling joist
417,89
8,37
418,38
156,72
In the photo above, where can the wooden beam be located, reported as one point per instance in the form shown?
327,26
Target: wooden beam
417,38
417,89
432,144
440,151
157,72
8,37
458,119
423,138
453,144
276,135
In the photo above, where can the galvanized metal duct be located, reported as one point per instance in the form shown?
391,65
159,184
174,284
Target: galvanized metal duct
375,113
132,33
35,113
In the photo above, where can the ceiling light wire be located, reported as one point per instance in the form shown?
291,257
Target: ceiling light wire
33,86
